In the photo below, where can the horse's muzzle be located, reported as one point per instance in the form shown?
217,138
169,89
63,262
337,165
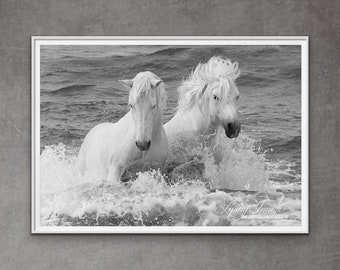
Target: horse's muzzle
232,129
143,145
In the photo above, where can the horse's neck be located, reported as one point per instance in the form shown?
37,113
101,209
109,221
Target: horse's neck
157,127
193,120
123,126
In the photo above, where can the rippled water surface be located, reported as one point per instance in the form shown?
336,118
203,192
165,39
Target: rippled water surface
261,169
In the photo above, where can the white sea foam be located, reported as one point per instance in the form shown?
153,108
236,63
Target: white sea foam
235,190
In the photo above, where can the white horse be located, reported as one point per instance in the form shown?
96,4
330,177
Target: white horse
136,141
208,99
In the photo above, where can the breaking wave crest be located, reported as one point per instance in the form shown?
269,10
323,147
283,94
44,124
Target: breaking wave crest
243,184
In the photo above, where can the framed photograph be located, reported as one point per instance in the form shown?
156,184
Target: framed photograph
170,135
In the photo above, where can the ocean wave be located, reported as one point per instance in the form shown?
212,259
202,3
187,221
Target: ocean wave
241,183
71,89
168,51
150,202
284,143
249,79
291,72
266,51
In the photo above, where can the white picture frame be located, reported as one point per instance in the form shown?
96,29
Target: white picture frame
38,41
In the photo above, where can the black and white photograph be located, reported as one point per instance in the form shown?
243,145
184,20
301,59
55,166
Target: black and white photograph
150,134
170,135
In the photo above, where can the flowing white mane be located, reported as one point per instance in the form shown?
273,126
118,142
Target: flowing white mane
142,88
193,90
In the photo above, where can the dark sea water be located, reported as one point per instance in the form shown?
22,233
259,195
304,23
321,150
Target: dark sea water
80,89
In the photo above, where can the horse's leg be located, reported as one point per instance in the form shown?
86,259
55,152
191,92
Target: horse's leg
192,170
128,176
114,174
218,152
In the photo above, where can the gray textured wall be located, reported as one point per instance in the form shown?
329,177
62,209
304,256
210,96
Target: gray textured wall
20,19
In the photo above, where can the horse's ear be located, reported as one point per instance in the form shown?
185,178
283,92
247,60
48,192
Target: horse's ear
155,83
127,83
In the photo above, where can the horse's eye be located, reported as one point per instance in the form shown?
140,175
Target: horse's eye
237,97
215,97
131,106
154,106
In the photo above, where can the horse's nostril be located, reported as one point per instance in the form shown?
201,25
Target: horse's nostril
143,145
230,126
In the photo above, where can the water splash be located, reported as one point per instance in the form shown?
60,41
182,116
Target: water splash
241,186
240,166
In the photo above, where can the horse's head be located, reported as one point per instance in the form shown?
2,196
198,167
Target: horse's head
146,101
222,99
212,88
